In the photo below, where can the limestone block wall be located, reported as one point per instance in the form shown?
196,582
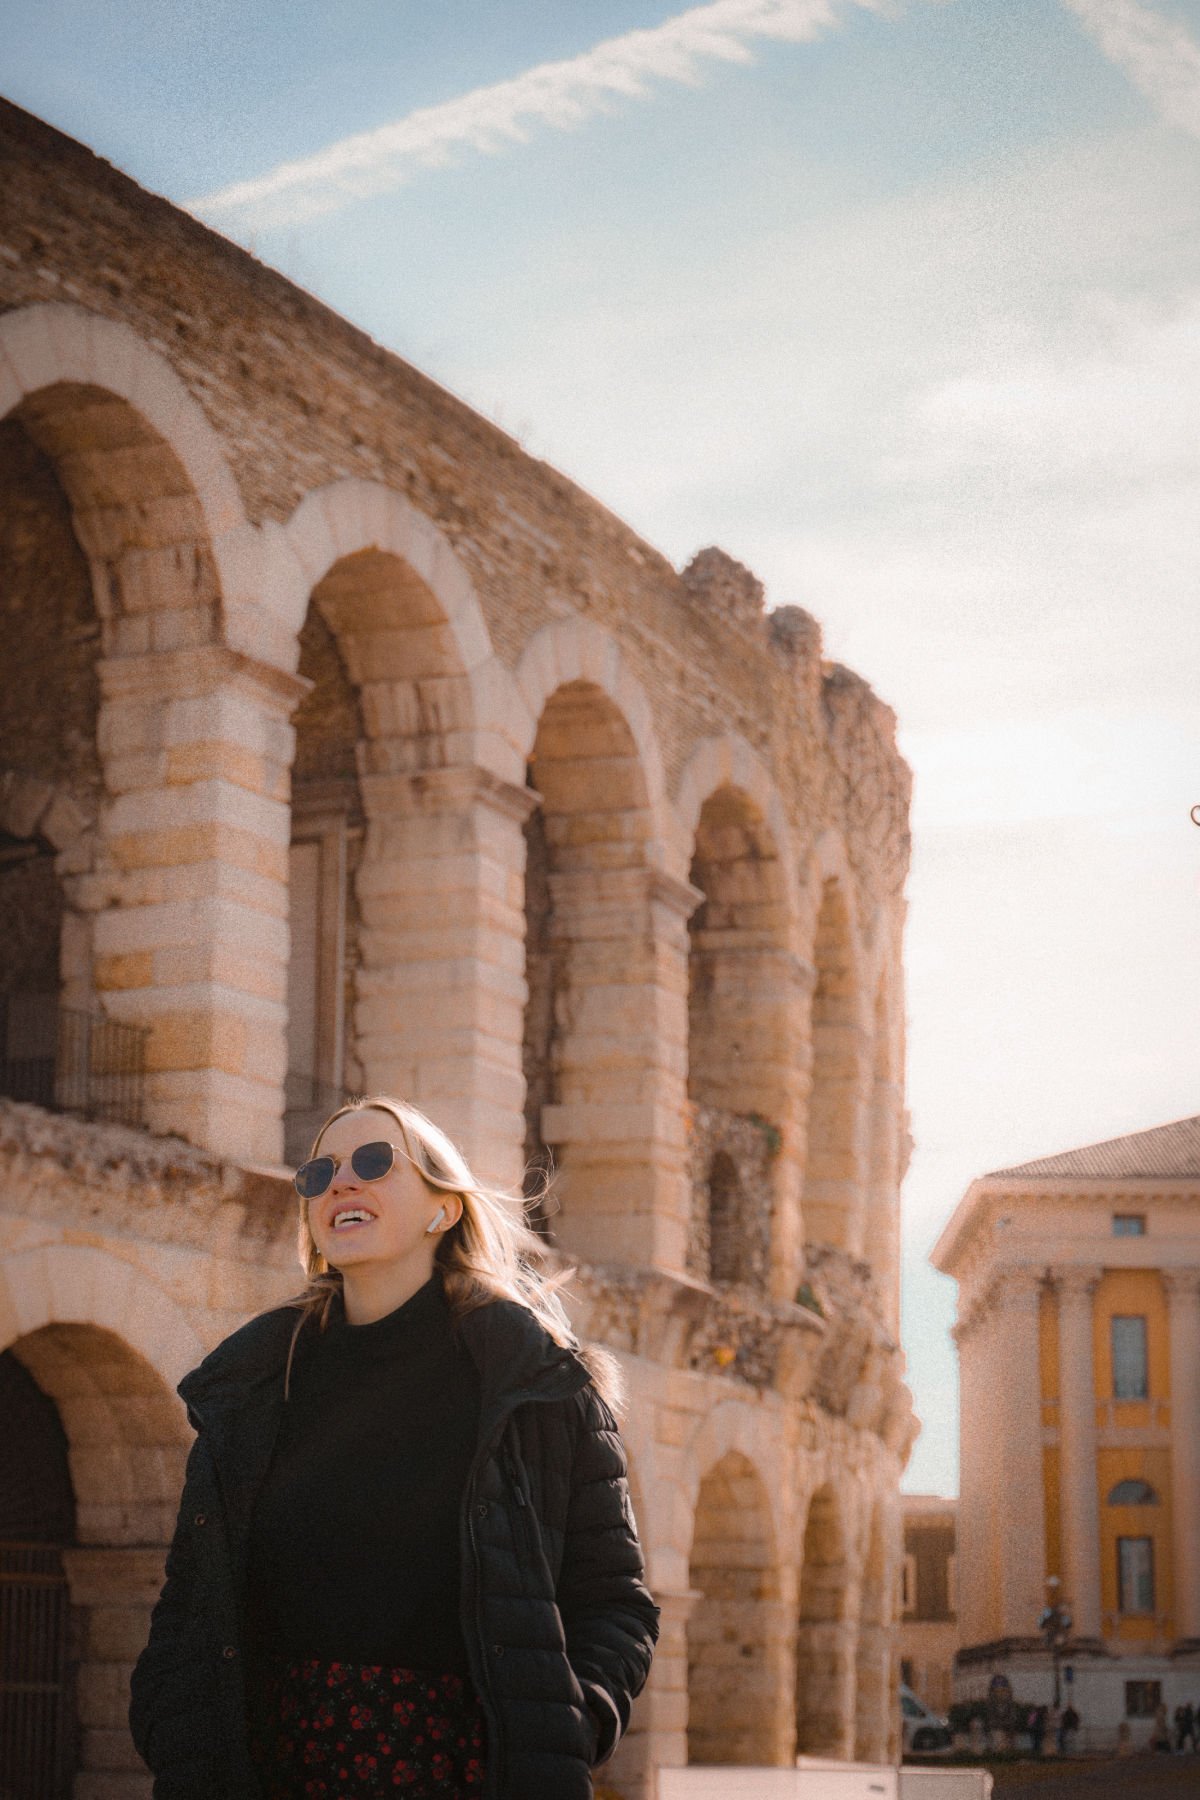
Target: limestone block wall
603,865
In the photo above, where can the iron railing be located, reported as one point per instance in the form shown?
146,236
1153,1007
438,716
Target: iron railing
71,1061
36,1715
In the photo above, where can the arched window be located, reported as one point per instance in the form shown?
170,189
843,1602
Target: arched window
1133,1493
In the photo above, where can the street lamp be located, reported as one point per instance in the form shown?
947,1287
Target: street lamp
1055,1626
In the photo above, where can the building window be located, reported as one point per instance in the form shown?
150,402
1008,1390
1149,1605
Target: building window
907,1671
952,1584
908,1585
1142,1699
1129,1224
1135,1574
1133,1493
1130,1370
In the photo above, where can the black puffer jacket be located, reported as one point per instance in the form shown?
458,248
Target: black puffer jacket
559,1625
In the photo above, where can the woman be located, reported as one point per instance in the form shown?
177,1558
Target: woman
405,1561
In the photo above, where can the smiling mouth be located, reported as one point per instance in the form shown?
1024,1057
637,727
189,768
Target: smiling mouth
350,1216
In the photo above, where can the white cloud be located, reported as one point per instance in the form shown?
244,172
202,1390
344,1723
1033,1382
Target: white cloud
1118,411
1110,767
1158,54
556,94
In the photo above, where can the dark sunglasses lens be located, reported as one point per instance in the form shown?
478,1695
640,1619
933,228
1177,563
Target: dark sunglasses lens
312,1178
371,1162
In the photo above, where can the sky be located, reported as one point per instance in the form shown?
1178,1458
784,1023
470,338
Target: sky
897,303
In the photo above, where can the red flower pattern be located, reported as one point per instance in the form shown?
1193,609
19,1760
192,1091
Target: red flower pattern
342,1731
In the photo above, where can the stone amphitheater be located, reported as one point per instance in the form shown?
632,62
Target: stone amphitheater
346,746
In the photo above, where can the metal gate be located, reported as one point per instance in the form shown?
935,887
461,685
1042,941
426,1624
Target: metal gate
36,1723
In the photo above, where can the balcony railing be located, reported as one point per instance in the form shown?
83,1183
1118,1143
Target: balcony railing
71,1061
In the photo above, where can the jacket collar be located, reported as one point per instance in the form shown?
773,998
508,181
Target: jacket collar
516,1357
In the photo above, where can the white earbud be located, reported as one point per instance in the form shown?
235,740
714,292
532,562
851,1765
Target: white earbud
434,1223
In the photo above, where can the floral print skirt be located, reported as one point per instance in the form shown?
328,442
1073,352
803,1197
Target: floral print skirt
345,1731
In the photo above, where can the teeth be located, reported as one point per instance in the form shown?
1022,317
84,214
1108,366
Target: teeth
350,1218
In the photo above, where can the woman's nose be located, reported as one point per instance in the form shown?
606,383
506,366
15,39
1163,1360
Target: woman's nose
344,1176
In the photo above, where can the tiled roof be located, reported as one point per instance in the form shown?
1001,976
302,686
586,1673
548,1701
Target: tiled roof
1167,1150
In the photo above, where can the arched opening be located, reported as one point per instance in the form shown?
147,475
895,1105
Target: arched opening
323,916
103,1447
37,1522
1132,1493
824,1666
873,1686
589,1032
113,546
376,875
50,776
835,1160
733,1632
741,1058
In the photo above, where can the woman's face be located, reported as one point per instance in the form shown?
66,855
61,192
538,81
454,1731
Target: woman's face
401,1207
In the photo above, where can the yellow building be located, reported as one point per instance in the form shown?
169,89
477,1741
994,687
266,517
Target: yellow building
1079,1346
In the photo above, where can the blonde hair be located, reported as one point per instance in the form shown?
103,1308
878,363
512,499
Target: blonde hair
489,1253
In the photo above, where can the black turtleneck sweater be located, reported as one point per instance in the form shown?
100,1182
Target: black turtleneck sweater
354,1546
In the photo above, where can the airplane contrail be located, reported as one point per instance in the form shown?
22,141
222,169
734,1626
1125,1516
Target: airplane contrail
558,94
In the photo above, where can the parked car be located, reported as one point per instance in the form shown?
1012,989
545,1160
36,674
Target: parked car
921,1730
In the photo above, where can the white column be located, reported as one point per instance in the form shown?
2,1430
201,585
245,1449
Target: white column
1077,1436
1015,1407
1183,1308
973,1506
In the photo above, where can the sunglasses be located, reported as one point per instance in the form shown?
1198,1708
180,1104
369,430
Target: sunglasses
370,1162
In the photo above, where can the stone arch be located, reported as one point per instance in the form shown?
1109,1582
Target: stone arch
835,1171
873,1683
105,1346
577,650
189,763
78,1284
729,761
425,638
410,800
824,1649
590,1036
54,342
745,1004
733,1685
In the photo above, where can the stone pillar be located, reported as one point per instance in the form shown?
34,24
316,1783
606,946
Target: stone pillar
1078,1486
825,1682
620,1123
1183,1308
1013,1410
874,1700
113,1592
190,894
882,1246
441,992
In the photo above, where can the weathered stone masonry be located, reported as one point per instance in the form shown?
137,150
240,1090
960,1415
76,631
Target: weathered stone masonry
314,663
